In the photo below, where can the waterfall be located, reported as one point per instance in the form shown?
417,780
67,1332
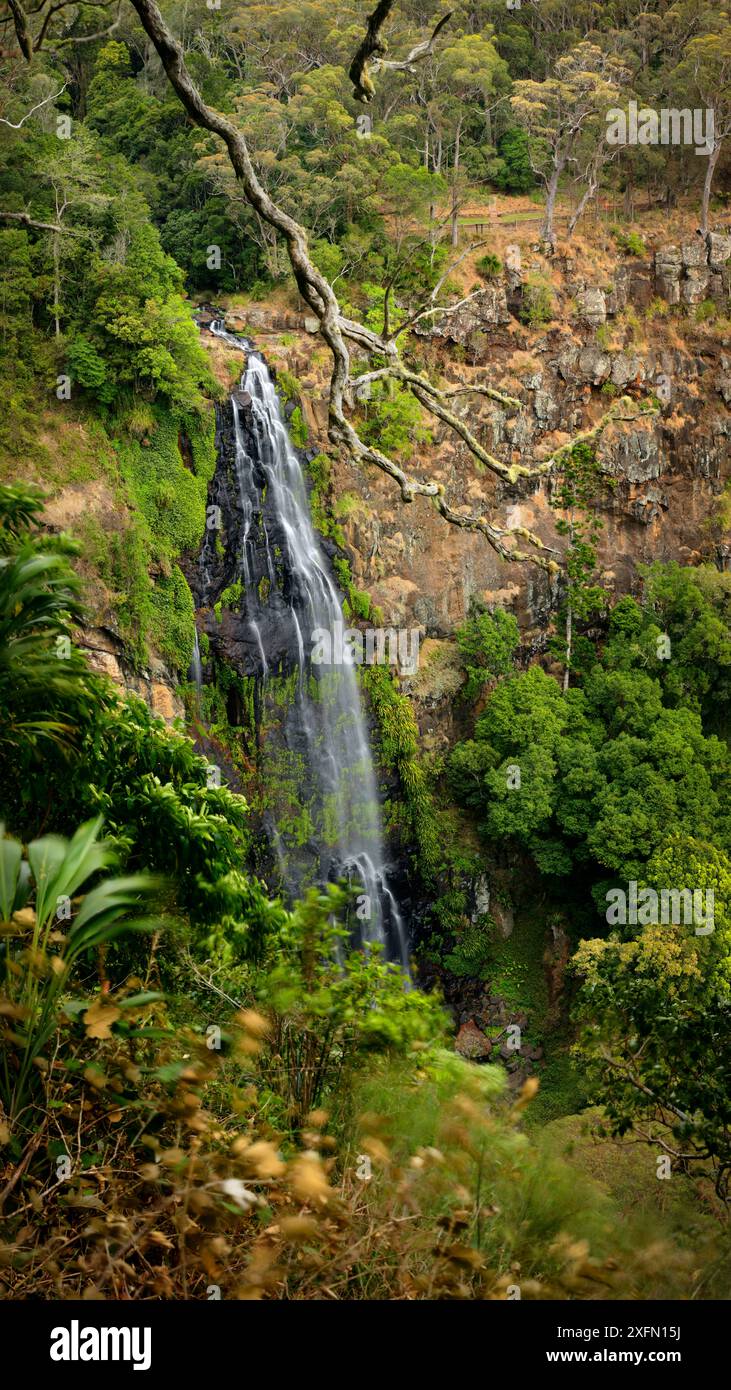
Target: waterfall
287,596
196,666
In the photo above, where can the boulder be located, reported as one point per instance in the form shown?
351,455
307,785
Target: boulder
696,283
487,309
618,296
634,455
626,367
668,262
694,253
547,409
567,363
588,364
472,1043
668,289
593,365
641,289
481,891
592,307
502,916
719,251
668,270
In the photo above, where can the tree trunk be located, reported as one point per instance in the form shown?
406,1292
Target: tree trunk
548,234
57,284
455,189
569,640
581,206
708,183
60,204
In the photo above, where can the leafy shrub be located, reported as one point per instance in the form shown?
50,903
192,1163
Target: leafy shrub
630,243
537,304
706,311
131,329
489,266
393,421
487,643
472,953
43,688
88,368
298,429
658,308
514,172
49,875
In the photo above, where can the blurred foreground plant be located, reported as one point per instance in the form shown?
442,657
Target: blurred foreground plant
45,932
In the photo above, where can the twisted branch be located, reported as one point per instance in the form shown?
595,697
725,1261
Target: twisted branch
29,221
369,55
30,43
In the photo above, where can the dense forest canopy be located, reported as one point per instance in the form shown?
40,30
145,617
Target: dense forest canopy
470,309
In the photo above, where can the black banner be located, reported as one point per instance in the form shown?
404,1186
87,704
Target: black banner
199,1340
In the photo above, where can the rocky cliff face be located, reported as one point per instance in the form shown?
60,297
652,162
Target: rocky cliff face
666,472
156,686
100,638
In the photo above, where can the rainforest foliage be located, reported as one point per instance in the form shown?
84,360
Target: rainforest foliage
625,777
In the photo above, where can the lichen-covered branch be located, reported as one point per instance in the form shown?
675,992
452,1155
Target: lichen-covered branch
369,56
32,36
373,45
29,221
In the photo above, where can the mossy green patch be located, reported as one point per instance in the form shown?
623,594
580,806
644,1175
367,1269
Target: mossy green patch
170,495
172,621
398,740
318,471
157,464
298,431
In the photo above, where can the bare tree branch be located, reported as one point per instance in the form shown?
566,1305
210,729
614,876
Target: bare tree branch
425,311
54,97
28,221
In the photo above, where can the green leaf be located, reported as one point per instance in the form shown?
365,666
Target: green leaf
10,857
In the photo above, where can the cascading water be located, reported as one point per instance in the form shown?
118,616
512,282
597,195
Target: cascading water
287,595
196,665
